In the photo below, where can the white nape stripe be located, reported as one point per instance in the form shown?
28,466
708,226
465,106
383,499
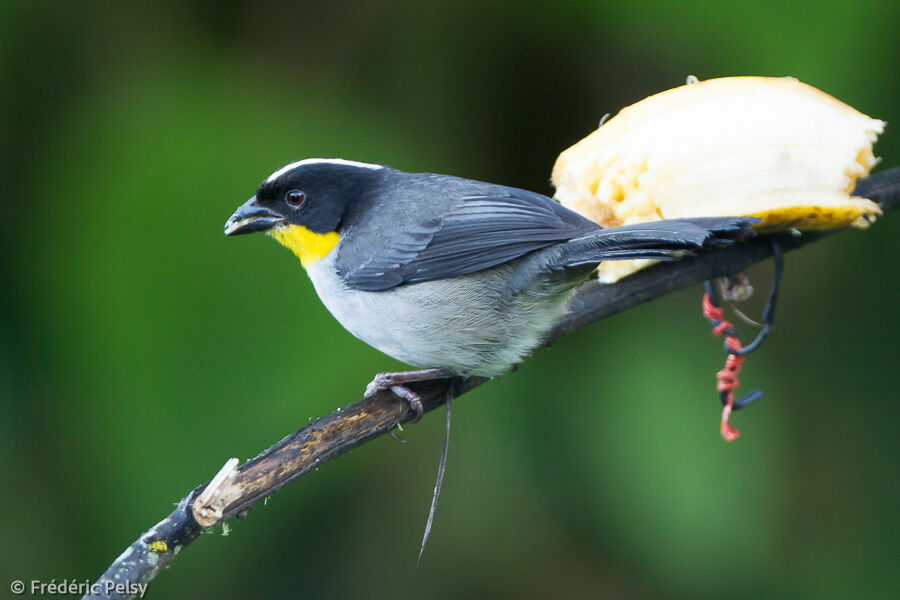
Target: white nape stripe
316,161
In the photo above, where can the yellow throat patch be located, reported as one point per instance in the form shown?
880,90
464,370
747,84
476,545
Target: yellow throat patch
307,245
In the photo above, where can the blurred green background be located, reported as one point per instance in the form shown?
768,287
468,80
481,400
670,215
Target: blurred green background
141,349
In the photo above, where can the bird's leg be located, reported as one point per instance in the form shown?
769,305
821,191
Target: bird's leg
394,382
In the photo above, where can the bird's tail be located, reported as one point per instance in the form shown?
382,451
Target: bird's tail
661,240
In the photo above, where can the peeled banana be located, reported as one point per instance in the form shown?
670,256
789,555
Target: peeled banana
773,148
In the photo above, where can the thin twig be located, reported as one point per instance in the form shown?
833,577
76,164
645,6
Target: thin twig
235,489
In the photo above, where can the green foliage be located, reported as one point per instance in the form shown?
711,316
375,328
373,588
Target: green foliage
139,348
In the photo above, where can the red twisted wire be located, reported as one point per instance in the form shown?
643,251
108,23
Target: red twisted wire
727,377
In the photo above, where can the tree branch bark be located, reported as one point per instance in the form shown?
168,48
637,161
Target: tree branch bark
235,488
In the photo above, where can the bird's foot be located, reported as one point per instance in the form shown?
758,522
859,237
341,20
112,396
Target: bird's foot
394,382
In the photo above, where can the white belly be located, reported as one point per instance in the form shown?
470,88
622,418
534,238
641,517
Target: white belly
459,323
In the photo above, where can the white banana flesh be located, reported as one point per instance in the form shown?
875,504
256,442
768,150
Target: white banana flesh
773,148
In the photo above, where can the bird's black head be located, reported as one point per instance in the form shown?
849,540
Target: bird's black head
312,193
301,204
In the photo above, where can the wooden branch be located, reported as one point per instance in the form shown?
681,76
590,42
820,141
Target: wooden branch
235,488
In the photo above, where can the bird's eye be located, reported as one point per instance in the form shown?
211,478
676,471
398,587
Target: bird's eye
295,197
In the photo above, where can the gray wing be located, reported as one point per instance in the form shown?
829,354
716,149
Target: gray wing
478,232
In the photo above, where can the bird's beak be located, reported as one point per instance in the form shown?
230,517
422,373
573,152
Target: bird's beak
250,217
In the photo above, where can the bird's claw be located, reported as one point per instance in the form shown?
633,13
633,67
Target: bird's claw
410,396
385,381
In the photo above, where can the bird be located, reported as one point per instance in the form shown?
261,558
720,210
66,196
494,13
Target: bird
453,276
456,277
